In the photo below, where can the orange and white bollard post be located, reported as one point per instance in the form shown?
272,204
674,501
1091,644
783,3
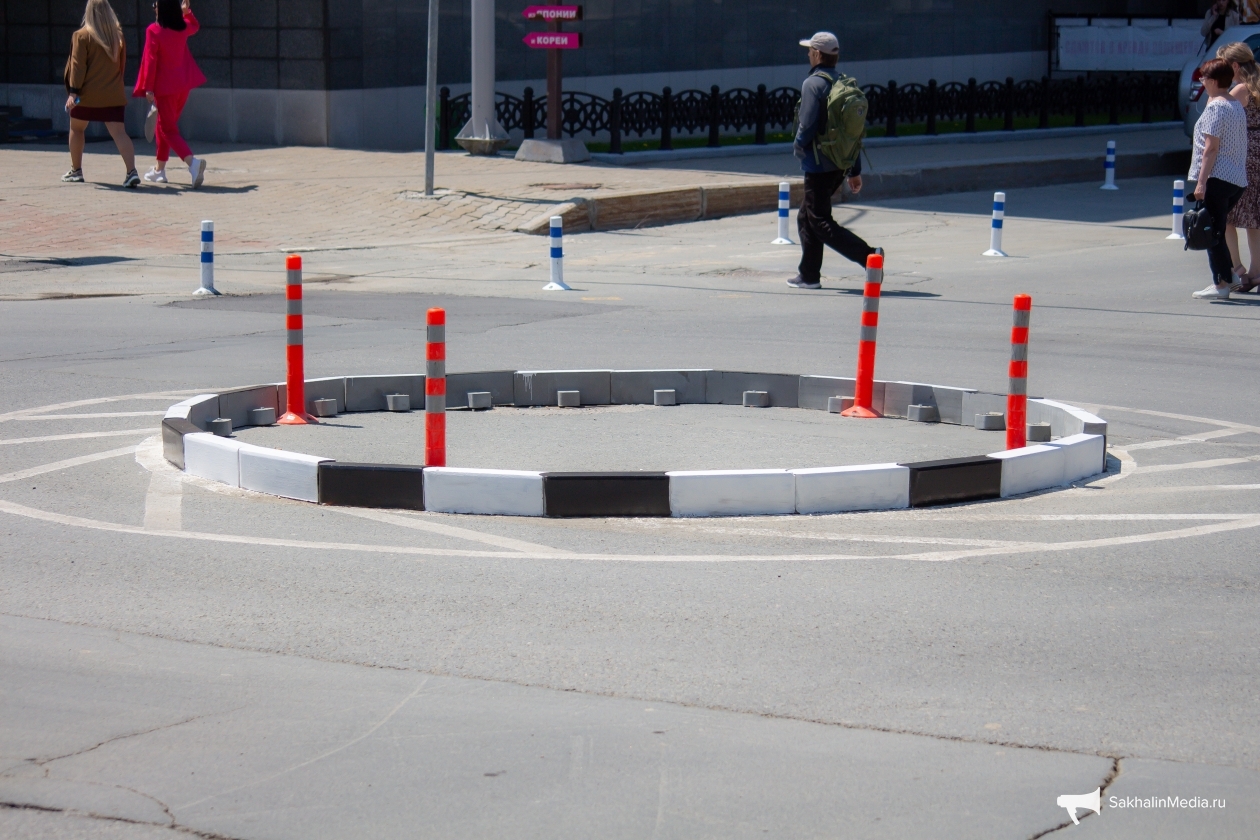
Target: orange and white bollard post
295,381
435,390
864,387
1017,390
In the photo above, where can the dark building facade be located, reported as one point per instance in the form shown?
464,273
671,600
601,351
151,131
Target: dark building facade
355,52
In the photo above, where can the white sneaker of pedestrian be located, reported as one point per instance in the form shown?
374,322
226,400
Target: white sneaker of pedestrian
1213,292
197,169
155,176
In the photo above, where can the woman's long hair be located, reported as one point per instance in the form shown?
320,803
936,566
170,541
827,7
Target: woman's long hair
101,22
171,15
1241,54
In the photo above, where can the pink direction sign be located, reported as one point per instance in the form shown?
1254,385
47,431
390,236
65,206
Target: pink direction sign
554,40
553,13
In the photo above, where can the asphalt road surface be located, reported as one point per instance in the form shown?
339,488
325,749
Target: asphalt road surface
178,657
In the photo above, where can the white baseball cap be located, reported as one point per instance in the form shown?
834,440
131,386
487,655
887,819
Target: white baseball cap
824,42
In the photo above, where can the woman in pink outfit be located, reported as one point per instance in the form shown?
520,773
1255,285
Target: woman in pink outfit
167,74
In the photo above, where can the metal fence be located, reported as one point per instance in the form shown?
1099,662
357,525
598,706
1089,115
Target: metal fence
664,114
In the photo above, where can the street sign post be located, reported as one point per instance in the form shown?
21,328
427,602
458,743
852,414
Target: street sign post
553,41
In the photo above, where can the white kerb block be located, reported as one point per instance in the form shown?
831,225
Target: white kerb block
863,487
1031,468
197,410
491,492
731,492
1083,456
210,456
289,474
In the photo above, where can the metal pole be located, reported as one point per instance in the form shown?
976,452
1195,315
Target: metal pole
430,98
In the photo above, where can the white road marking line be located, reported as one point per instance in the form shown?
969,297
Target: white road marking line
78,436
66,464
1199,437
1197,465
420,524
152,395
163,503
93,416
1243,427
931,556
691,527
1128,466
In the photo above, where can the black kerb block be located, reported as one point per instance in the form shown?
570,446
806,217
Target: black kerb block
606,494
173,431
954,480
371,485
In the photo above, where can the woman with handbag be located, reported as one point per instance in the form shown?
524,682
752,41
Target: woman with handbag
1218,166
167,74
94,82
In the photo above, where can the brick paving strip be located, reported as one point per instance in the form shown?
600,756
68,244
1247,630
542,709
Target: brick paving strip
294,198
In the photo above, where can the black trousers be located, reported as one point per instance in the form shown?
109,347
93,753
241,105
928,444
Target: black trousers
816,227
1220,199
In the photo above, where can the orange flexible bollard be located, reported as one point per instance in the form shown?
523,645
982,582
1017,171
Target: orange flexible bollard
864,387
295,382
435,390
1017,390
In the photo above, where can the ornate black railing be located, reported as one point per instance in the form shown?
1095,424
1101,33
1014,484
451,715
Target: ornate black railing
644,113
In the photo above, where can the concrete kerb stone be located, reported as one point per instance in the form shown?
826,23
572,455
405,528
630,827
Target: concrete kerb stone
1068,458
497,382
237,404
367,393
326,388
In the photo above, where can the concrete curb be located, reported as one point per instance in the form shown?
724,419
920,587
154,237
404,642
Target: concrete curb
706,153
1078,452
715,201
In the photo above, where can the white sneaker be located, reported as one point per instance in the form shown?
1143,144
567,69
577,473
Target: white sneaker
197,169
1213,292
155,176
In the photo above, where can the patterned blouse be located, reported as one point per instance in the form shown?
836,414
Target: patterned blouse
1226,120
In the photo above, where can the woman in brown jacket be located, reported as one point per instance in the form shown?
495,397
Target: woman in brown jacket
94,78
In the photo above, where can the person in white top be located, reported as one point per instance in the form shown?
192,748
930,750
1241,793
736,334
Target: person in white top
1218,166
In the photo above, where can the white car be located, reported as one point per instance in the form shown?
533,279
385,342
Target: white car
1190,96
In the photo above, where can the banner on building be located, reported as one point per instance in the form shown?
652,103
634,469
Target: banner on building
1126,44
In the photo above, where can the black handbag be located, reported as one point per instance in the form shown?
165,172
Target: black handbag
1199,229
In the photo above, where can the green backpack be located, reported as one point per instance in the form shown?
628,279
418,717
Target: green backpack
841,142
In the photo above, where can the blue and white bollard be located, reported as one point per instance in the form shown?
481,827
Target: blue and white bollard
785,204
557,283
995,232
207,261
1109,167
1179,210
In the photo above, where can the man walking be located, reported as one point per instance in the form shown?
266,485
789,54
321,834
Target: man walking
823,177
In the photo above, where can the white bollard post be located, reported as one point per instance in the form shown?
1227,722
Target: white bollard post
207,261
1109,167
557,257
1179,209
995,232
785,204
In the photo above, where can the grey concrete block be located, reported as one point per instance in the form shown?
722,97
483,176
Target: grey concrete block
637,387
1038,433
899,396
480,400
835,405
221,426
328,388
398,402
949,403
569,399
923,414
497,382
237,404
262,417
539,387
367,393
992,421
324,408
665,396
756,399
979,402
815,391
727,387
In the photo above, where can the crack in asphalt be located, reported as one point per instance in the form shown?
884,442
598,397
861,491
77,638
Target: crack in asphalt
1106,783
173,826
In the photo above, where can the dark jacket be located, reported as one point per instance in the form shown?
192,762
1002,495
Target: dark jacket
813,122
